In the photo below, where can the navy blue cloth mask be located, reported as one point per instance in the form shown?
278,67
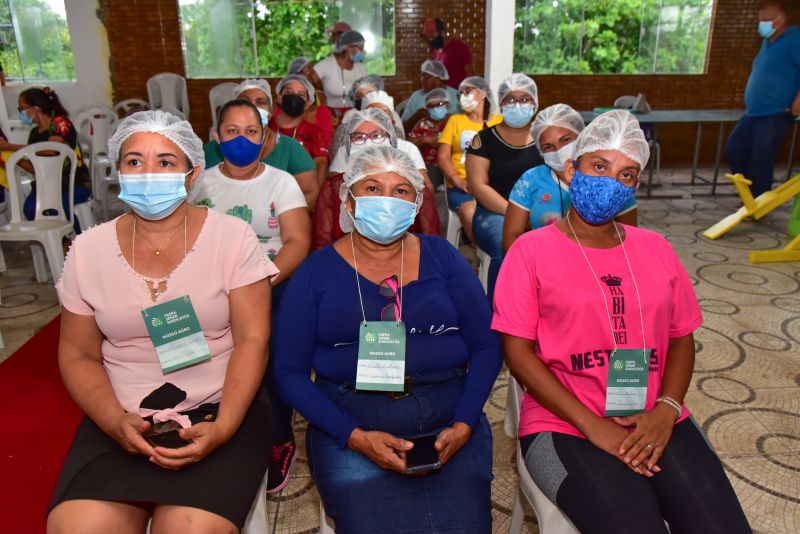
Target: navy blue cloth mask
598,199
240,150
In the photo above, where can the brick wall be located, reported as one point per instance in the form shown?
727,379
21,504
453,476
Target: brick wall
145,40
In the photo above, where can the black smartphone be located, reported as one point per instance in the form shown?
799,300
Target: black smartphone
165,435
423,457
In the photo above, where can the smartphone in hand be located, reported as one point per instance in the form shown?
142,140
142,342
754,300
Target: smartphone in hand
424,456
165,435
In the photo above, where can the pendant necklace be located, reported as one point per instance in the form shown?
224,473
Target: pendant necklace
154,284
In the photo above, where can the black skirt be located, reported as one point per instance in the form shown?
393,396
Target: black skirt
224,483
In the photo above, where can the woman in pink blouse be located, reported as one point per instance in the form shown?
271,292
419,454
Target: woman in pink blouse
164,335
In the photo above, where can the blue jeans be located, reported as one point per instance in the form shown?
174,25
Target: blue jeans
456,197
753,147
487,227
281,411
362,497
81,195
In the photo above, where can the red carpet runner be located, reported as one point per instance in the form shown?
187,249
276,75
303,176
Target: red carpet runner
37,428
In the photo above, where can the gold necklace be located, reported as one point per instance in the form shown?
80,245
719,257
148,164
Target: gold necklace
155,288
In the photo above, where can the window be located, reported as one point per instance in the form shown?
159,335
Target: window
240,38
612,36
34,41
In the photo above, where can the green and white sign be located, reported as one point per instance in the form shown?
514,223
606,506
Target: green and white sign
626,391
381,356
176,334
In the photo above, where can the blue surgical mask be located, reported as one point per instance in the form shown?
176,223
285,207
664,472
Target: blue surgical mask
25,118
517,115
383,219
766,28
358,57
438,113
152,195
240,150
598,199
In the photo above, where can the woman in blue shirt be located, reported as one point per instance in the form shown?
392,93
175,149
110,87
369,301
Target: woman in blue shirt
423,292
541,195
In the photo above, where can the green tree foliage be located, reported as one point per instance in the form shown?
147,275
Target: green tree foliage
238,38
34,42
611,36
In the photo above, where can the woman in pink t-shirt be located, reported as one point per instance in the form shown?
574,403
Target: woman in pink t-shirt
597,321
165,325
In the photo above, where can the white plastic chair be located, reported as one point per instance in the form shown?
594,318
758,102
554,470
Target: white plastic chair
167,91
454,228
128,105
96,124
550,518
49,230
18,132
217,96
483,269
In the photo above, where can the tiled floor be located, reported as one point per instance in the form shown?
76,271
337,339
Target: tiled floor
745,392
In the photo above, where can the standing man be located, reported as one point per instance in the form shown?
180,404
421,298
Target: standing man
772,97
337,30
452,51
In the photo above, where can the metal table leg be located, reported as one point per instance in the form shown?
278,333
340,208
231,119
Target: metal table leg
717,158
696,158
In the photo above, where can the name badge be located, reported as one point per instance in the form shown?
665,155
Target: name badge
626,391
381,356
176,334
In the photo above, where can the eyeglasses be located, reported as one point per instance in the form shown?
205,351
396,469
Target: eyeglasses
20,109
433,105
523,100
359,138
389,288
466,90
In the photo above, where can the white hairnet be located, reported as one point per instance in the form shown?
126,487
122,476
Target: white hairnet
615,130
373,81
374,160
439,93
478,83
252,83
519,82
378,97
375,116
560,115
296,78
348,38
435,68
296,65
163,123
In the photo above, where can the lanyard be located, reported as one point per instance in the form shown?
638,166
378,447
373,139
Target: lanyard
358,283
602,294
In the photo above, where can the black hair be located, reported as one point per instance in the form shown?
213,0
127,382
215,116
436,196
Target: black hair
237,103
440,25
45,99
487,109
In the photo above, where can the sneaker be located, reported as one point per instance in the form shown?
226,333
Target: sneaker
281,460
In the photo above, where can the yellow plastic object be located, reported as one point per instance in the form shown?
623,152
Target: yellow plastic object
755,208
789,253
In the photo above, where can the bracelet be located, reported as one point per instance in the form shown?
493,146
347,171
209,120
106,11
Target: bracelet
671,402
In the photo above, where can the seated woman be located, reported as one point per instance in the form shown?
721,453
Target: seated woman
532,203
413,291
291,118
425,133
496,159
41,108
476,101
596,320
279,151
174,431
366,128
271,202
361,88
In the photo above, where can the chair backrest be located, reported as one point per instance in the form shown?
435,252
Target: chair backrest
217,96
94,124
18,132
168,91
125,107
48,164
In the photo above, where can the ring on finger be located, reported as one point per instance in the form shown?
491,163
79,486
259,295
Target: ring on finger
648,446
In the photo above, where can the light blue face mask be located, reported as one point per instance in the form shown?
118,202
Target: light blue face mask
517,115
438,113
766,28
151,195
383,219
25,118
358,57
598,199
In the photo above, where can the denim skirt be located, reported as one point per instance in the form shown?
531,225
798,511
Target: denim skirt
361,497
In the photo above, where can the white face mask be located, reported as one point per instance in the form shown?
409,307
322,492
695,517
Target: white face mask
555,160
468,102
